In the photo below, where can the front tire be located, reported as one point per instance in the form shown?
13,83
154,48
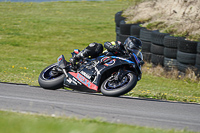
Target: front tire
49,81
111,87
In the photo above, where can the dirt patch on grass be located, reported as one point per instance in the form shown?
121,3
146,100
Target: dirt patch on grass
177,17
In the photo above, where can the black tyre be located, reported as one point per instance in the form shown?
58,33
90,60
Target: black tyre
122,38
119,17
186,58
169,63
117,30
184,67
147,56
187,46
112,87
171,41
158,38
157,59
125,29
146,46
157,49
197,70
135,30
117,37
198,59
145,35
122,22
49,80
198,47
197,65
170,52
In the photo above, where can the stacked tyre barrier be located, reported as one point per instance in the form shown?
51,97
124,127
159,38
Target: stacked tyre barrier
186,54
118,20
161,48
157,47
170,52
197,65
124,31
145,37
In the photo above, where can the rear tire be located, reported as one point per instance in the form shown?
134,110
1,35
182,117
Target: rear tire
128,82
49,82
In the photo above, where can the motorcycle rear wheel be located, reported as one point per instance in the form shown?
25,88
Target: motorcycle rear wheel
111,87
50,81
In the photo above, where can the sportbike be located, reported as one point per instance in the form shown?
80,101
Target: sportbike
110,75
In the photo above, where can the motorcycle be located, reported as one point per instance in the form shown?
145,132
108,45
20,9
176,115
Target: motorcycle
110,75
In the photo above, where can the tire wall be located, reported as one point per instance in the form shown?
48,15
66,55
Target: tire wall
161,48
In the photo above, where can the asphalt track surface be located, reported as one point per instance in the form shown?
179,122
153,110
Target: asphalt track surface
128,110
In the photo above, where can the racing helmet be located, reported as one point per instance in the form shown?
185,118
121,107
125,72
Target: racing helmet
133,43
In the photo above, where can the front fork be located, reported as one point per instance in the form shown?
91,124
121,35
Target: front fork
120,74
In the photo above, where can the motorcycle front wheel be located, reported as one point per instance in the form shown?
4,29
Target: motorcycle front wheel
50,79
113,87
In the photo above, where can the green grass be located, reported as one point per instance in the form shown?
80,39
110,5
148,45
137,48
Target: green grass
168,89
25,123
33,35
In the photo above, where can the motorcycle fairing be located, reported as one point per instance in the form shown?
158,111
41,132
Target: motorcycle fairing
84,81
116,57
101,68
79,82
89,74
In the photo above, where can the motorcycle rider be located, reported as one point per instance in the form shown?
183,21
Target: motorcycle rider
131,44
93,50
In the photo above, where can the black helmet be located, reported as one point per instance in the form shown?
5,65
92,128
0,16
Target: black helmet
133,43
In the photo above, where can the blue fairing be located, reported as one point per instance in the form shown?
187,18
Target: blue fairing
116,57
136,58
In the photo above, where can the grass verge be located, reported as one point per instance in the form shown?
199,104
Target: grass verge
158,83
11,122
33,35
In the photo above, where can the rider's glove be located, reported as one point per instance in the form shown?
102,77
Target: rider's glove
109,46
116,47
112,46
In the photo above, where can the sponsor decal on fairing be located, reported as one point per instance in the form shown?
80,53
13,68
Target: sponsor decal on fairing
84,81
85,74
110,63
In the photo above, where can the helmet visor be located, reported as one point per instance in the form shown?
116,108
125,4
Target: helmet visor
130,44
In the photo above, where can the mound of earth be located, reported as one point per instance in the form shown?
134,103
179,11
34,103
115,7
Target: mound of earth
177,17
